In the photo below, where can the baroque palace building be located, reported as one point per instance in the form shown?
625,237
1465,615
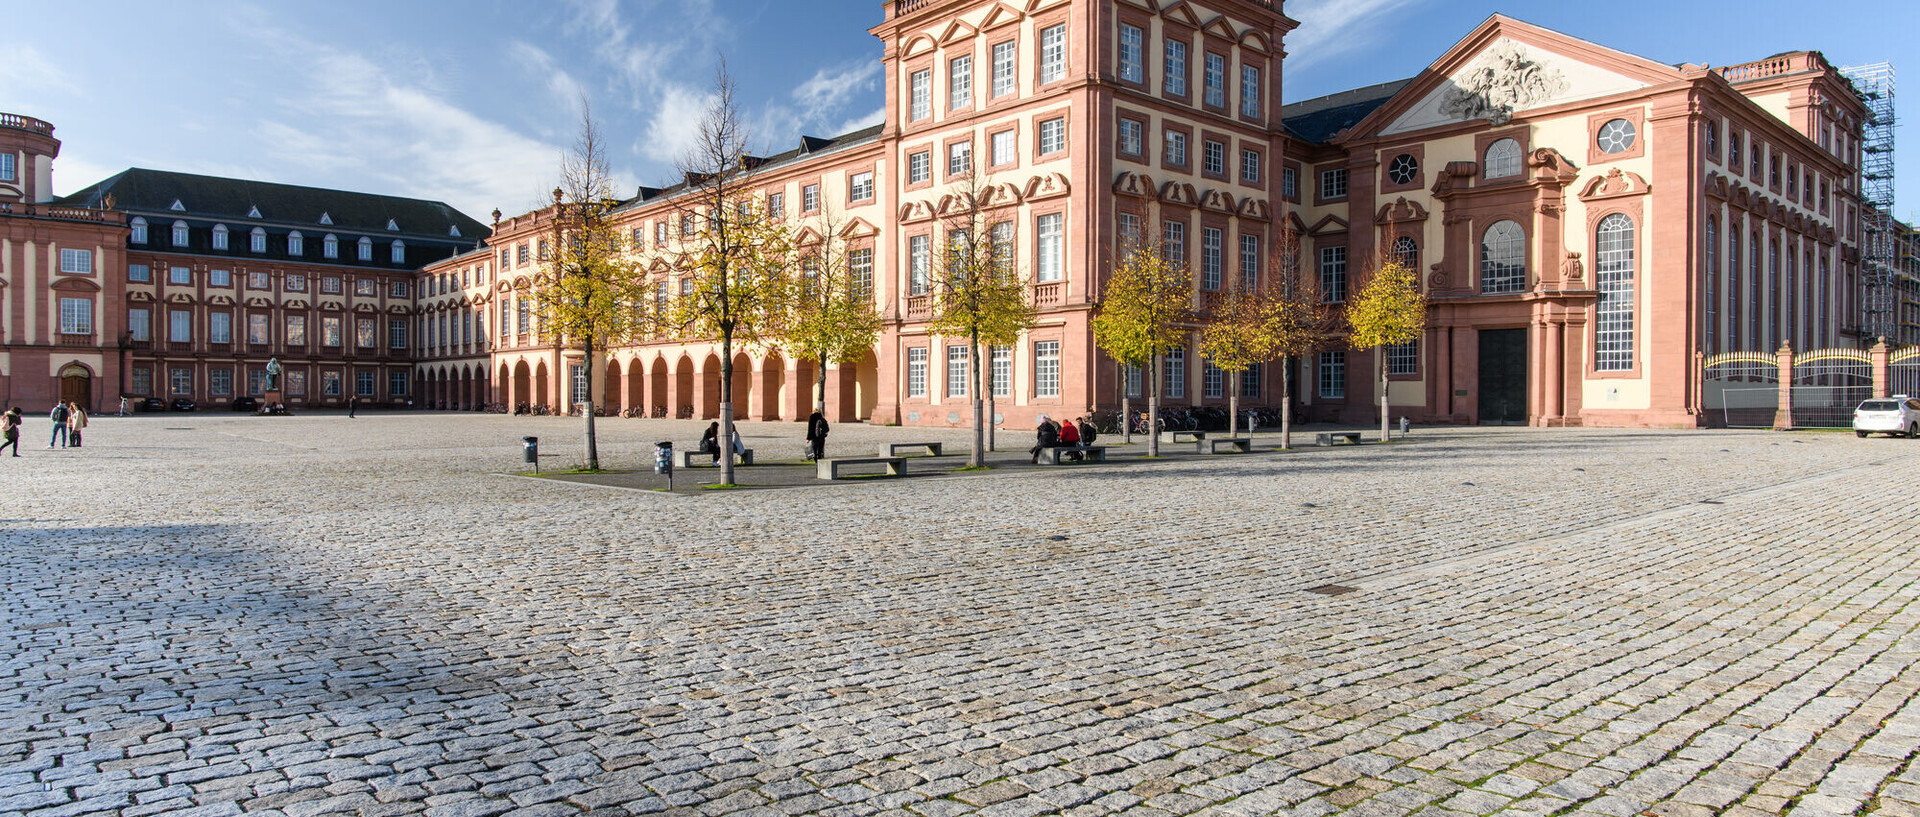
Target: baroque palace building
1587,223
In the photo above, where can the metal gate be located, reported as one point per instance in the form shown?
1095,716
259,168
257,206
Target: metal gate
1742,389
1828,384
1903,371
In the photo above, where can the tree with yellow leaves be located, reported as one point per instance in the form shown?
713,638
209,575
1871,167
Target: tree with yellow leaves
1145,311
830,314
977,292
1390,309
1244,330
1302,319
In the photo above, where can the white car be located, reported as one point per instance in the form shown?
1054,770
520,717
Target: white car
1896,415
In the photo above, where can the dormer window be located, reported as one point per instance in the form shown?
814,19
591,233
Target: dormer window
326,219
177,206
139,226
219,236
253,211
393,225
296,243
453,230
366,248
258,240
330,246
179,234
399,252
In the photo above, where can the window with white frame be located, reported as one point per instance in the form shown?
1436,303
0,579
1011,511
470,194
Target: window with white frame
1129,230
1213,157
220,380
1001,371
330,330
1053,135
919,257
139,325
257,382
1210,261
810,198
220,327
139,273
76,316
1407,252
1333,183
363,332
917,371
138,230
296,282
1503,159
1333,274
397,383
180,326
220,237
142,380
259,280
1050,264
1333,375
1046,368
577,376
330,384
861,187
860,269
179,275
1503,258
959,158
1175,364
1053,53
921,94
1175,74
1173,242
296,243
1711,276
330,246
1213,380
257,240
399,252
1613,277
958,367
1130,137
8,172
1002,238
180,380
1131,40
259,328
1214,77
330,284
1132,376
1289,182
180,234
1249,91
364,287
296,330
919,167
219,278
1249,260
522,315
1250,381
76,262
1250,166
1005,62
1003,146
1403,358
777,203
960,81
1176,144
366,250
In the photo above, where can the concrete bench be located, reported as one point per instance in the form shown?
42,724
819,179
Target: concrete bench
1092,453
894,449
830,468
1326,437
1183,436
1235,445
687,457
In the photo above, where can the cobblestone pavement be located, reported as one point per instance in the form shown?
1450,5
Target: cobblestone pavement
210,615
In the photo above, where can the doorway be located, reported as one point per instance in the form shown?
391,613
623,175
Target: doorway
1503,377
76,386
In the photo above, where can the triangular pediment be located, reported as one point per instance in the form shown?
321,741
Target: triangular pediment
1505,68
1182,13
807,237
956,31
859,228
1219,27
1001,14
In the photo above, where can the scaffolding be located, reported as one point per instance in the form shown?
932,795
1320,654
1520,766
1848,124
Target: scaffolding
1880,299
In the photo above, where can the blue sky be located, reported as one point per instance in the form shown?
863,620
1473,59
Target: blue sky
474,103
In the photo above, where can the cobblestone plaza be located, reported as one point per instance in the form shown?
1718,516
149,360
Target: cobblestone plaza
214,614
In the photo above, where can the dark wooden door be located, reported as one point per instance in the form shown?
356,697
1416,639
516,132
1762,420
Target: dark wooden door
1503,377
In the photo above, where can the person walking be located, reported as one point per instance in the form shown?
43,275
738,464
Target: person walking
817,436
76,422
124,406
1045,436
59,417
352,404
10,430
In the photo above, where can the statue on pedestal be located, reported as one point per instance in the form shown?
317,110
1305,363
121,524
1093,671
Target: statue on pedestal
273,374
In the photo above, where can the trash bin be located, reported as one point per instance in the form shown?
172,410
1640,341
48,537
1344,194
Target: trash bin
532,449
663,457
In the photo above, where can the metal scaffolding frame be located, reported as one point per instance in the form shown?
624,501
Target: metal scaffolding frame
1879,299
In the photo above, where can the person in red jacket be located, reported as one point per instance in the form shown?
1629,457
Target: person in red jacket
1070,438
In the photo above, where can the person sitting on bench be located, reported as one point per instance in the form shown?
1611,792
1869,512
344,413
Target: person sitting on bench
1045,436
1070,438
710,442
1087,434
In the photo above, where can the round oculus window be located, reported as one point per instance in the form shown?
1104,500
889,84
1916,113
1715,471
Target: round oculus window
1403,168
1615,136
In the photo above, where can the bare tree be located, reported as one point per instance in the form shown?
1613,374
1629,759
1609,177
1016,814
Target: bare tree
975,289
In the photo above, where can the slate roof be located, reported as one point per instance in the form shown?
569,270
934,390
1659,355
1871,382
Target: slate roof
139,190
809,147
1319,119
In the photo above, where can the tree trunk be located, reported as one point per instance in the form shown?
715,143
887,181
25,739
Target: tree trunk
593,443
1286,403
726,409
1380,361
1126,419
978,458
1233,407
1153,409
820,387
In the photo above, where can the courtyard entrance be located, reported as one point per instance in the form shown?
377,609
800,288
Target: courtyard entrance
1503,377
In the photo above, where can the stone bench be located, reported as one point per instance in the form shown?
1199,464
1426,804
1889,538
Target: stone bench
894,449
1326,437
708,460
1092,453
830,468
1234,445
1183,436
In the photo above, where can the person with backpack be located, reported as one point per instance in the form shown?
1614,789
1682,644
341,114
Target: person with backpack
59,418
1044,436
76,422
1087,435
10,430
816,436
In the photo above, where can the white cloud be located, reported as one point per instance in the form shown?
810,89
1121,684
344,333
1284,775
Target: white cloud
873,117
1332,27
26,69
828,90
560,84
675,125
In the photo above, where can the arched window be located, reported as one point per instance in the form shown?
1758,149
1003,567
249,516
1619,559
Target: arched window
399,252
1407,252
179,234
1613,312
1503,258
296,243
219,236
1735,339
258,240
1711,286
366,248
1503,159
330,246
139,226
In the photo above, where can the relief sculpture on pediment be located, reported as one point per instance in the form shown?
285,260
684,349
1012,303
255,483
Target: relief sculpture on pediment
1503,80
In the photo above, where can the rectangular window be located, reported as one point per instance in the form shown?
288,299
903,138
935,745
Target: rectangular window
921,94
1250,166
959,158
296,330
1129,230
259,328
220,327
330,384
958,368
1046,368
219,278
257,382
523,314
7,171
1250,261
139,324
220,237
1289,183
777,204
1053,136
220,380
397,333
397,383
142,380
364,286
919,256
917,372
1130,137
1333,183
257,242
1002,238
1249,91
1176,148
139,273
810,198
686,226
919,167
363,383
296,282
1002,371
296,383
1215,78
523,253
660,233
330,285
960,82
180,326
1173,240
330,330
1053,53
861,188
1250,381
1213,380
1049,266
260,280
180,234
179,275
577,377
1210,240
1003,146
76,316
76,262
1333,274
1333,375
1175,83
860,269
1403,358
1176,372
1131,68
363,333
1132,374
180,381
1213,157
1004,61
